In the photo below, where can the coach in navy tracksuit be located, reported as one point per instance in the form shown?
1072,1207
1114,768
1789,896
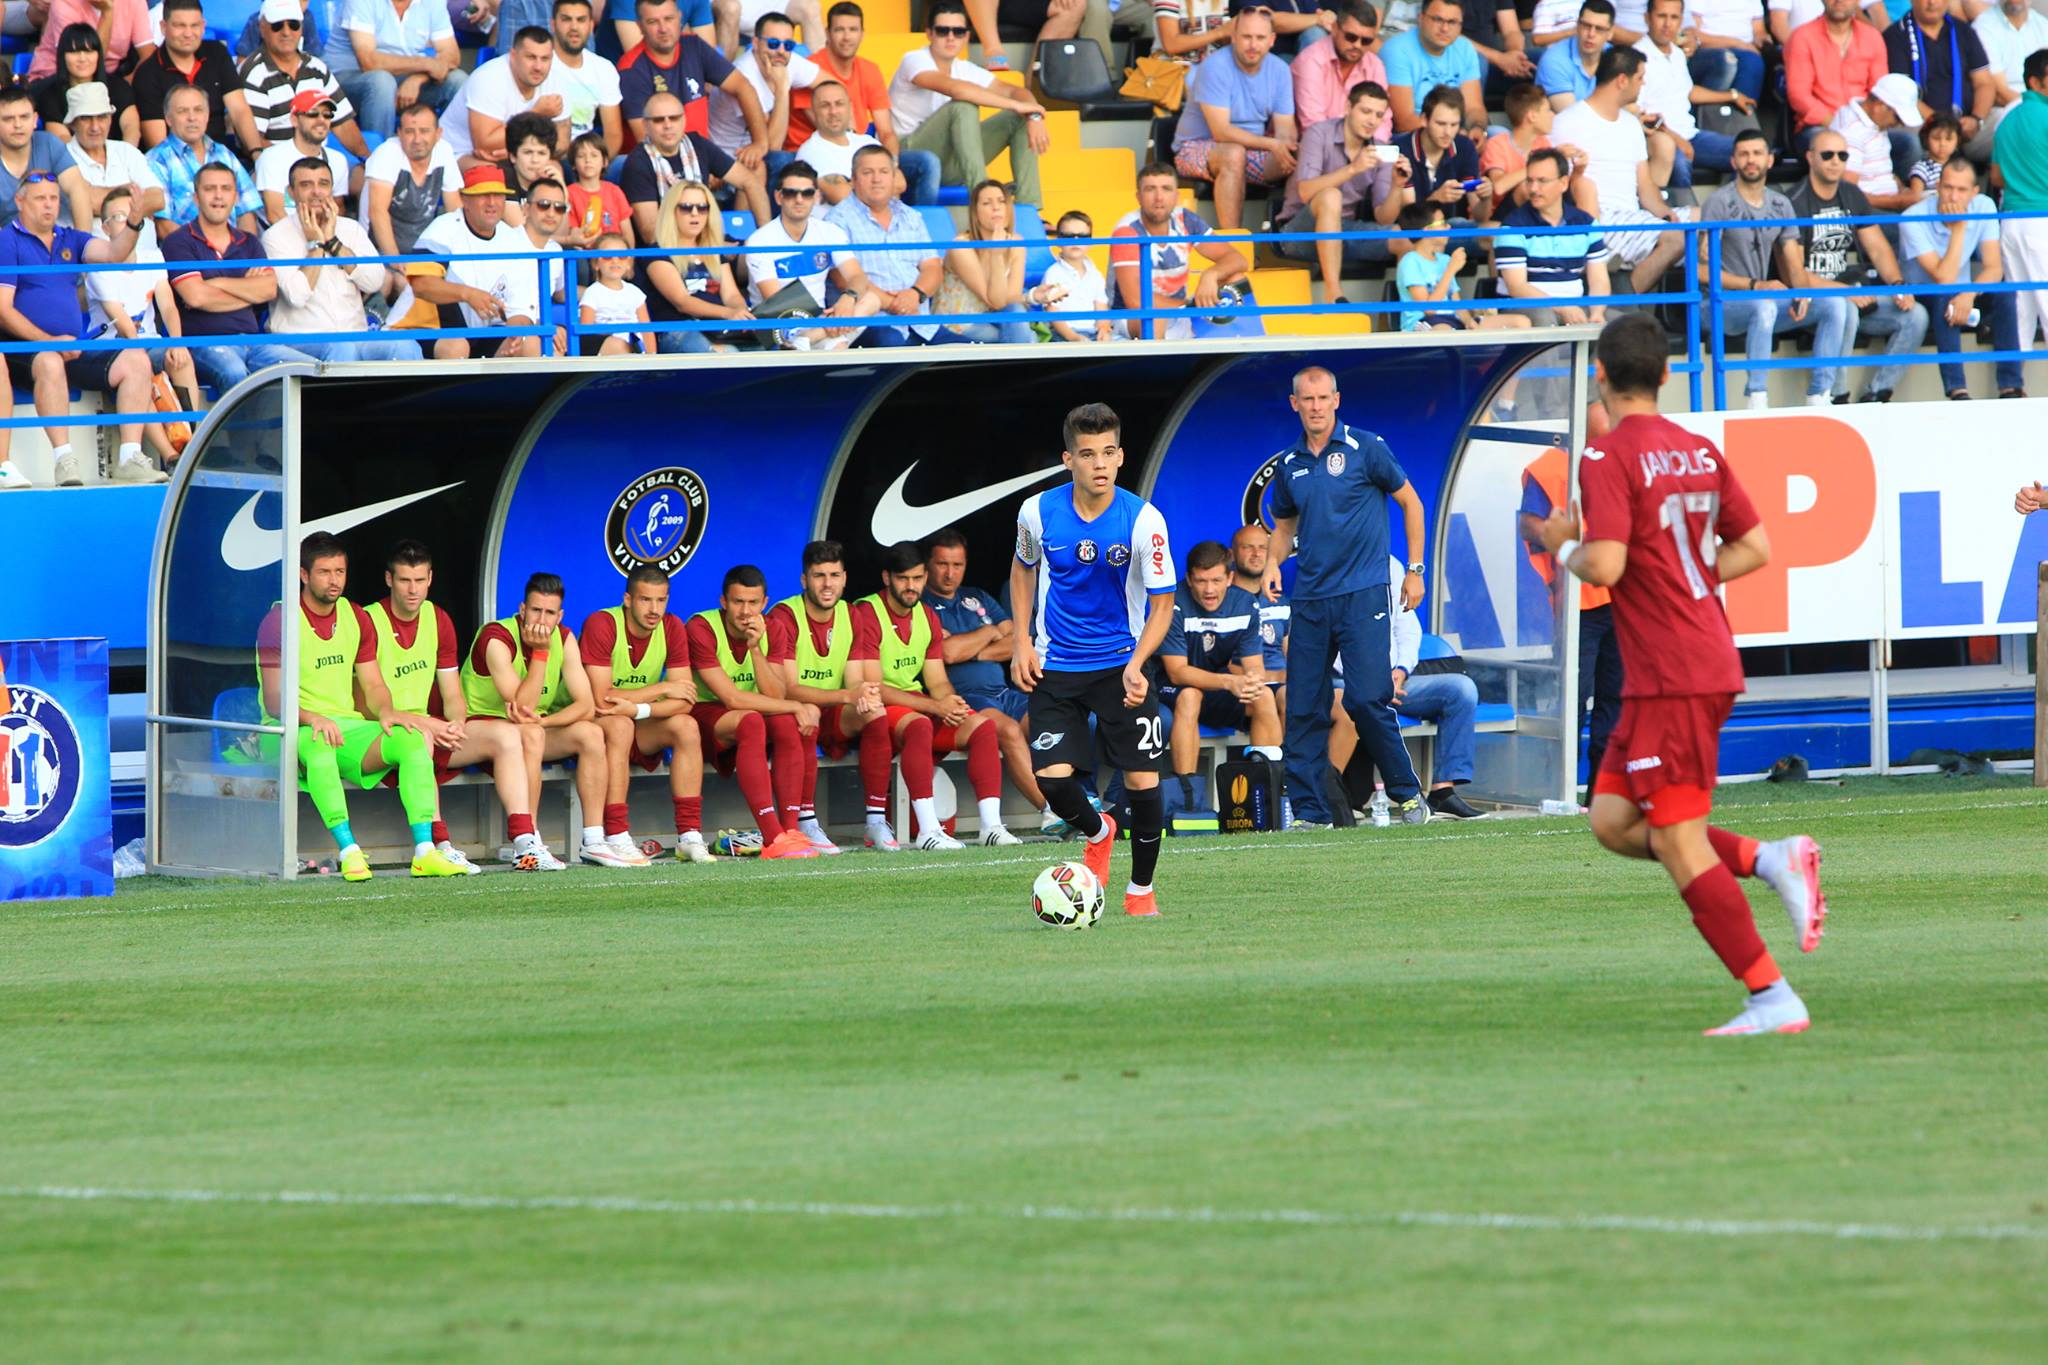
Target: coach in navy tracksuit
1330,508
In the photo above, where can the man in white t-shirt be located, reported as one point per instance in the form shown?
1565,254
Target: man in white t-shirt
829,150
409,181
105,164
1678,145
2010,31
1782,16
463,269
734,19
773,68
936,100
818,257
589,83
522,80
1615,185
312,116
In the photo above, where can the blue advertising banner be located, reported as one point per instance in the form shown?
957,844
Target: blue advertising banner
56,816
103,537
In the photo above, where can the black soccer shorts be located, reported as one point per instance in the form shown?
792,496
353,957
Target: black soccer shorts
1132,738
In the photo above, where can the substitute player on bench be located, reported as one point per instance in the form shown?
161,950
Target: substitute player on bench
925,716
643,694
1665,525
1215,664
810,636
1089,556
524,669
337,656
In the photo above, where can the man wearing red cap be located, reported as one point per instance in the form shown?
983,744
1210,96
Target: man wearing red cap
312,117
465,274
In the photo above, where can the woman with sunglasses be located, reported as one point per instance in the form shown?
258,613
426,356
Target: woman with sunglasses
694,282
126,24
82,60
989,280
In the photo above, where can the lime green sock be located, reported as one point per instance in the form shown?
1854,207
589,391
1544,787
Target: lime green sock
323,779
408,752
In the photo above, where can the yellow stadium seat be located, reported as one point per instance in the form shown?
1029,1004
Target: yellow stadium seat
886,50
884,16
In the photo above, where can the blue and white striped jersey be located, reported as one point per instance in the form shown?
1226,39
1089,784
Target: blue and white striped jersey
1094,577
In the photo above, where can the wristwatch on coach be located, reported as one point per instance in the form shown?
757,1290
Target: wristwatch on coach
1415,569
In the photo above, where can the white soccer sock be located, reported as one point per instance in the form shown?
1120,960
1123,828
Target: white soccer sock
1100,834
593,836
1133,889
927,813
1770,861
1269,751
991,809
131,450
422,850
446,846
341,853
810,828
60,452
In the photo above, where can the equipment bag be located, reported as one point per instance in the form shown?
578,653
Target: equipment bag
1248,795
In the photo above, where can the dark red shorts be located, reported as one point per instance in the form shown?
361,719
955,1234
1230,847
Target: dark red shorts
1664,755
707,714
832,738
945,738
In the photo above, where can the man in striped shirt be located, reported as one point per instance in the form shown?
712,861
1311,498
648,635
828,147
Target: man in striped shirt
1563,265
272,77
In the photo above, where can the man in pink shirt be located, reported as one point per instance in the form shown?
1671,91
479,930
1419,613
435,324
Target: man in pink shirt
123,27
1324,72
1830,62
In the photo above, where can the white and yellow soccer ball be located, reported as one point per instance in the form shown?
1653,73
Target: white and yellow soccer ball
1067,896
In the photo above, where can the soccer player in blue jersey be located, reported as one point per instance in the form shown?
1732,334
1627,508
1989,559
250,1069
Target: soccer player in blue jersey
1093,560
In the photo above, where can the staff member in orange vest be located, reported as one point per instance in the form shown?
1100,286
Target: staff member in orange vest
1544,488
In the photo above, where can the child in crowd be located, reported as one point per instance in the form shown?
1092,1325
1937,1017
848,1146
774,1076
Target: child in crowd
1429,276
1940,135
1504,159
1075,273
612,300
596,206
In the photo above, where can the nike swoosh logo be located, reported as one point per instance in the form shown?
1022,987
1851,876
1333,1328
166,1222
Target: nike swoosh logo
895,519
246,546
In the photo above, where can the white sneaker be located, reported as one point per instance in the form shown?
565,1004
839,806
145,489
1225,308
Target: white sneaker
534,859
1820,400
998,837
138,471
625,846
938,841
690,848
814,834
460,859
1757,402
881,838
1774,1009
12,478
67,473
604,855
1791,867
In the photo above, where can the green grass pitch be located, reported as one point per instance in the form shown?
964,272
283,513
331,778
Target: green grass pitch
1400,1095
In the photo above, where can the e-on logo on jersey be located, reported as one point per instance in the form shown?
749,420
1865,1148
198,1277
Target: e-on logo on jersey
39,768
659,519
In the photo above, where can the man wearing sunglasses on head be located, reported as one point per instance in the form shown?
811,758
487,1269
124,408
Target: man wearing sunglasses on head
283,69
938,96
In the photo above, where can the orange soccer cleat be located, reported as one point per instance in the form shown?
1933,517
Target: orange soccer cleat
1096,854
790,844
1141,905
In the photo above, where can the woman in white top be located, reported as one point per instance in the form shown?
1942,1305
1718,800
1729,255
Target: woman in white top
988,280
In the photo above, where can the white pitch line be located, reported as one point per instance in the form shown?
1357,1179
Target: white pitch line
1054,1213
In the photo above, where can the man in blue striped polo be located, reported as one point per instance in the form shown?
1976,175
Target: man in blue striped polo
1544,265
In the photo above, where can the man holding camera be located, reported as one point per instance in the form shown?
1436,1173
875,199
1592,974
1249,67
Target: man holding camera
1344,174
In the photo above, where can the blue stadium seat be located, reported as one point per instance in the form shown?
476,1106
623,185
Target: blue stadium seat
22,62
483,54
939,223
225,19
739,225
953,196
241,706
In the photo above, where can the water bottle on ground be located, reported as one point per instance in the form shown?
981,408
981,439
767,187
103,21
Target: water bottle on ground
1382,813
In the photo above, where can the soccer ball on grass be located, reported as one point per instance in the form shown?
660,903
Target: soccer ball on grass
1067,896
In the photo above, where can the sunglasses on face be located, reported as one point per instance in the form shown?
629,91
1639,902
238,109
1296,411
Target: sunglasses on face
1075,232
548,205
1833,156
779,44
794,193
285,25
692,206
664,118
949,30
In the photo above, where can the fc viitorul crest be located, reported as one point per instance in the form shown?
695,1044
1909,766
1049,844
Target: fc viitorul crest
658,519
40,767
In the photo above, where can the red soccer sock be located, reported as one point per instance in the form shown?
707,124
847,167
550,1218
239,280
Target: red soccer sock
689,813
917,757
750,766
985,762
1721,913
1737,852
516,825
875,754
788,743
440,835
615,819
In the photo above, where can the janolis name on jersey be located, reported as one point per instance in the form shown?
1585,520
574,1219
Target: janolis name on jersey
658,519
1656,464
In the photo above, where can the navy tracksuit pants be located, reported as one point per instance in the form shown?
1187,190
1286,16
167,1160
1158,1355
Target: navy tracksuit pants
1354,626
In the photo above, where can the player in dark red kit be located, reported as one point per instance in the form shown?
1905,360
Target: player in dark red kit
1665,525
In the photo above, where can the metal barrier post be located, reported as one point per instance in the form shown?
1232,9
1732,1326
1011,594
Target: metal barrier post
574,319
1145,284
1692,321
1712,287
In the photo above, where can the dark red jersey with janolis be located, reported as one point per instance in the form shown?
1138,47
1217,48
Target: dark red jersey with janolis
1668,494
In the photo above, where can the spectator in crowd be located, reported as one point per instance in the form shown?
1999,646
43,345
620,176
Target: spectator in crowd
937,97
1551,22
178,159
1494,28
1344,176
1326,73
1215,666
694,282
1431,54
530,158
697,16
1504,160
1829,254
218,287
1831,62
830,147
1731,46
1076,284
1248,551
106,165
312,116
861,80
612,300
1615,183
1755,264
44,307
465,274
136,304
409,181
772,67
669,155
122,26
1161,214
596,205
2021,165
1940,137
669,61
2011,31
818,261
737,19
27,150
325,298
1237,125
392,54
905,281
1938,246
1187,29
519,82
974,626
1561,265
1444,163
250,40
1566,70
1428,275
276,76
79,63
988,279
1678,145
189,57
588,82
1866,125
1946,60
